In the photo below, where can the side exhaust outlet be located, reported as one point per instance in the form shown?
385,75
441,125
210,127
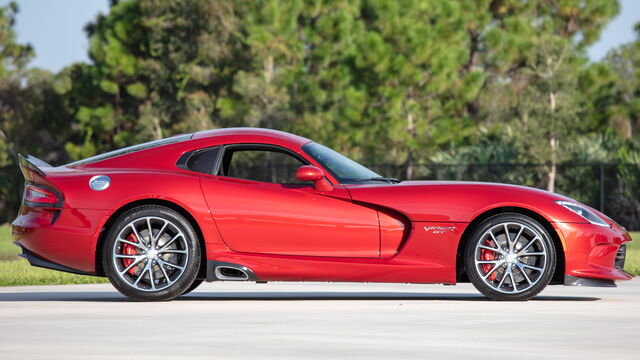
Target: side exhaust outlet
222,271
230,273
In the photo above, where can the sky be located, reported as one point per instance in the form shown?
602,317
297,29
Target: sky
56,29
618,31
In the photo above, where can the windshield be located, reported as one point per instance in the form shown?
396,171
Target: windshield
341,167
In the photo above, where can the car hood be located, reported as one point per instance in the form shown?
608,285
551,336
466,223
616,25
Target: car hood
452,201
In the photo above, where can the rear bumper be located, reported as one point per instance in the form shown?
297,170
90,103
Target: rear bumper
594,255
35,260
69,242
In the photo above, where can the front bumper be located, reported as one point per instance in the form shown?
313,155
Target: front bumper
594,255
576,281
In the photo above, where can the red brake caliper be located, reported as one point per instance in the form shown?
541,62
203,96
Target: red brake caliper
129,249
488,255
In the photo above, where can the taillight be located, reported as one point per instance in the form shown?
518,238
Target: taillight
39,196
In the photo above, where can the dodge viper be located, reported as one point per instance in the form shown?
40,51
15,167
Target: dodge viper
247,204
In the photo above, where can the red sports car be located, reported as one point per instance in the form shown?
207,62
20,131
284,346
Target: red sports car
248,204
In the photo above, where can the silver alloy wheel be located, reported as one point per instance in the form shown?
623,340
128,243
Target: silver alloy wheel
150,253
511,257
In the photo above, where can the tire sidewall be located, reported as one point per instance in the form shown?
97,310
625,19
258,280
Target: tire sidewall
191,268
196,283
472,272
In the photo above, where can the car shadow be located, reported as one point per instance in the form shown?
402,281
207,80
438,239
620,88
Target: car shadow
374,295
63,296
271,296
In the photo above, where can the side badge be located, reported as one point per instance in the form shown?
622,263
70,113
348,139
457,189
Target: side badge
99,182
439,229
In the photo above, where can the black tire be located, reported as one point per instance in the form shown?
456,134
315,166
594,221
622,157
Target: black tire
502,273
193,286
186,246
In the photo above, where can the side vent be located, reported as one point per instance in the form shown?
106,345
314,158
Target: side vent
620,257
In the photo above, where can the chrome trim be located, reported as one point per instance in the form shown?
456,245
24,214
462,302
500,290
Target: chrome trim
221,276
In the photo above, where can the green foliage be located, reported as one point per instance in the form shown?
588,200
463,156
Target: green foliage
21,273
13,56
350,74
622,101
33,117
632,263
545,107
399,82
137,90
8,251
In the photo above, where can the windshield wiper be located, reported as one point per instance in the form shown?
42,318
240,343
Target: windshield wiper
380,178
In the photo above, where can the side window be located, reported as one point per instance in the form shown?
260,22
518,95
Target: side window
203,160
264,165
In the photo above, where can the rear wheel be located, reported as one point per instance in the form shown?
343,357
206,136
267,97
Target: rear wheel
193,286
151,254
510,257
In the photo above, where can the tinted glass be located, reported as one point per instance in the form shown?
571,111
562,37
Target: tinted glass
341,167
204,160
261,165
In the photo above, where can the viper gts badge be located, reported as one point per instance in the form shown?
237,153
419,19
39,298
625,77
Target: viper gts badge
439,229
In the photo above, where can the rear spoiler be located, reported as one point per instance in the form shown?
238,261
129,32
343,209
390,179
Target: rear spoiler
32,163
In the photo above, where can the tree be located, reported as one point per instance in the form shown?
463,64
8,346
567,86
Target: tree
13,58
158,69
400,82
542,101
533,54
623,105
415,54
357,74
550,101
33,117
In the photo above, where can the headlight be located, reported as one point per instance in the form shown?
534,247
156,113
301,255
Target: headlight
589,215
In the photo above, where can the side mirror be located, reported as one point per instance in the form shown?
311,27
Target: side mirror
312,173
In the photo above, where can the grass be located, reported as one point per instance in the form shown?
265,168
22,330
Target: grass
19,272
8,251
632,264
16,271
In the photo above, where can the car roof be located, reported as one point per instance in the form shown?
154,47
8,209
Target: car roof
249,131
181,143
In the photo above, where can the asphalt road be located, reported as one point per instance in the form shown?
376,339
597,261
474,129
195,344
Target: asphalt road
319,320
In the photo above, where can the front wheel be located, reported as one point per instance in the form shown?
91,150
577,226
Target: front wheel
510,257
151,254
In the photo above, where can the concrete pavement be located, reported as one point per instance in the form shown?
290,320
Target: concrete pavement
319,320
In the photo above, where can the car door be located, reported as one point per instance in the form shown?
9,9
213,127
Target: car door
260,207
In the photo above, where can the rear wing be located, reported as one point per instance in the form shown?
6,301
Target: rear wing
32,163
